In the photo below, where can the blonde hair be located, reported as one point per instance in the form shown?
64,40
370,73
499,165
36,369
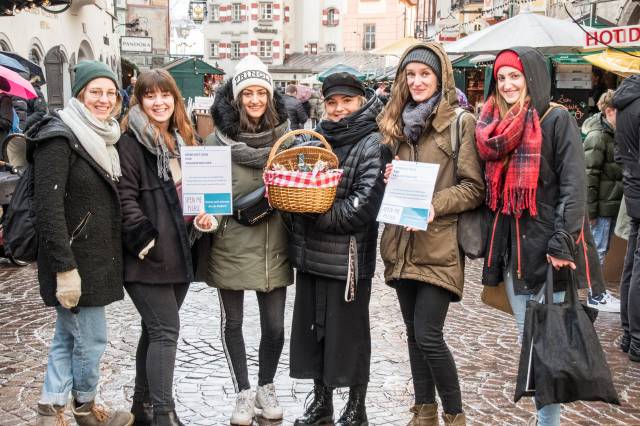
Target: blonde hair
117,107
606,100
361,101
390,120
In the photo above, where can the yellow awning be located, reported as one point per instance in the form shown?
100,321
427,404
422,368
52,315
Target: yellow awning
396,48
616,62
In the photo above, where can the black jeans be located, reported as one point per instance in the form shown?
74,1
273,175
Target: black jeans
424,309
271,306
630,287
158,305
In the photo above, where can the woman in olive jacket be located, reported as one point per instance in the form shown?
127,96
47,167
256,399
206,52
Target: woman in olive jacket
249,119
427,267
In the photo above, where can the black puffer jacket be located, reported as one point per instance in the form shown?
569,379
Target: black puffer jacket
320,244
151,210
75,200
627,102
561,200
297,115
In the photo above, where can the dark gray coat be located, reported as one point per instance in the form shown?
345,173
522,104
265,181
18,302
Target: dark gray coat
297,115
78,216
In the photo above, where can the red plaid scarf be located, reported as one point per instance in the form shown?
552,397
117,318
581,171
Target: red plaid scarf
514,143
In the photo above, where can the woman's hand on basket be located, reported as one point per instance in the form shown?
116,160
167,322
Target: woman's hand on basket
388,170
432,215
560,263
205,222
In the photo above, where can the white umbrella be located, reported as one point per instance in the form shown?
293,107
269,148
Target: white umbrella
550,35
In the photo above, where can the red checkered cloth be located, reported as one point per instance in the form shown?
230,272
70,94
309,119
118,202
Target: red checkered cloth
291,179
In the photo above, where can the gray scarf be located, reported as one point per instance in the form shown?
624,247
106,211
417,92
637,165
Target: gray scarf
148,136
252,149
97,137
415,116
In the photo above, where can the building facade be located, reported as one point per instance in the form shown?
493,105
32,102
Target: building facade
148,20
371,24
59,41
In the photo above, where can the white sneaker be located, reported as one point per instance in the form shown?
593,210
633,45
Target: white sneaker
604,302
243,413
267,401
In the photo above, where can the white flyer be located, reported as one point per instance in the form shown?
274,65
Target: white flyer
407,198
206,180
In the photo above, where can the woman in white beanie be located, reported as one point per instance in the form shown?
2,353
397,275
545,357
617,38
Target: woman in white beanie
249,253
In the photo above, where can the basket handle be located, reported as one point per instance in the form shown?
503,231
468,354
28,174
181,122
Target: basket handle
274,149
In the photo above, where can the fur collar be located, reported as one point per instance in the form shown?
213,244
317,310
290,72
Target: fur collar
226,116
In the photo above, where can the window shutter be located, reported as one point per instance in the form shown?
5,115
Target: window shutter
243,12
254,47
286,14
325,18
336,16
276,11
275,49
244,49
287,49
254,11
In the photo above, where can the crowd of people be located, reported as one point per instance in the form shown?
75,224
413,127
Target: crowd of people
108,205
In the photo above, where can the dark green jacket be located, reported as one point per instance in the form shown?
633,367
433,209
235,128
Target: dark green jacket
604,175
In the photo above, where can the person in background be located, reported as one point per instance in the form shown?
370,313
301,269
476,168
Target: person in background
37,108
78,218
297,115
334,254
627,102
598,87
314,102
426,268
157,257
6,116
249,119
604,187
132,86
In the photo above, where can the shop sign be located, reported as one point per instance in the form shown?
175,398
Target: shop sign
613,36
265,30
136,44
448,29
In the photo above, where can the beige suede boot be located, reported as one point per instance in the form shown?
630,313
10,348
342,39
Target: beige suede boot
51,415
92,414
454,419
424,415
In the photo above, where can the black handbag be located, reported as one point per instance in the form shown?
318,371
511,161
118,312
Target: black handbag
561,358
473,225
252,208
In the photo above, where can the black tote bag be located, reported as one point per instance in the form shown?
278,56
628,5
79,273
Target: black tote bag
561,358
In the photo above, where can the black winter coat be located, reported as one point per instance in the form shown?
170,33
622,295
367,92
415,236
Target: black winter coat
627,102
151,210
320,244
78,216
297,114
561,201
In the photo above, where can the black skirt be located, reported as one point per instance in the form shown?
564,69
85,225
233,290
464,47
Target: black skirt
330,338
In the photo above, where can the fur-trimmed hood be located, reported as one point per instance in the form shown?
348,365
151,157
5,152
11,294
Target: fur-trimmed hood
226,116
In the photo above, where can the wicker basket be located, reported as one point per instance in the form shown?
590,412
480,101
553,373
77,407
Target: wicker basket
301,200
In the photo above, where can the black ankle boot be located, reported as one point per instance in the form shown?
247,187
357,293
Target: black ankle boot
166,419
355,412
625,342
143,413
320,411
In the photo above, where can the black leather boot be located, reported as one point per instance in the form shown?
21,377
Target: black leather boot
625,342
166,419
143,413
320,411
355,412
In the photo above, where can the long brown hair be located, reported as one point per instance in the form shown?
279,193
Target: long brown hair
268,121
390,121
159,79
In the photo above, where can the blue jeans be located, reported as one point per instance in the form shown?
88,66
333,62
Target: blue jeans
74,356
602,231
549,415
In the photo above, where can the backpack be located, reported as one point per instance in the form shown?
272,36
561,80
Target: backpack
19,222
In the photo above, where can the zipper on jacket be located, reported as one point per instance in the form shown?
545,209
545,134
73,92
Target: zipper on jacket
581,240
493,234
519,270
266,257
81,226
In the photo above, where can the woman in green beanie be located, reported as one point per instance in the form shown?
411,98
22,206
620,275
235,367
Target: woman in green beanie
76,168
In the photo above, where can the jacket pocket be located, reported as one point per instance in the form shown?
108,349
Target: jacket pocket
389,243
438,245
80,228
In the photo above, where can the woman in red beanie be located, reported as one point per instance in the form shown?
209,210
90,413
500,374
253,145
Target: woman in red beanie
535,183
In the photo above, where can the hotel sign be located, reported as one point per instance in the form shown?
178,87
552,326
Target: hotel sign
136,44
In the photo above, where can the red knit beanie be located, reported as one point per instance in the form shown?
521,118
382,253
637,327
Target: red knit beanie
507,58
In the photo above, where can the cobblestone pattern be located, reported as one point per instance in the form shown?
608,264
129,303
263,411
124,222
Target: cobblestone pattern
482,340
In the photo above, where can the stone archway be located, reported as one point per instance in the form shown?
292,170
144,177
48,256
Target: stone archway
5,43
54,64
630,14
85,51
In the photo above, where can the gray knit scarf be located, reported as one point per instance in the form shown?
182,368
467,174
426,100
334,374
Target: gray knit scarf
149,136
252,149
415,116
97,137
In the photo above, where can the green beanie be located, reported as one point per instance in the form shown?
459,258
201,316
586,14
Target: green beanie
86,71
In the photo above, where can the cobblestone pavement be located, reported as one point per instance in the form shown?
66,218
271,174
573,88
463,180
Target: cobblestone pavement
483,342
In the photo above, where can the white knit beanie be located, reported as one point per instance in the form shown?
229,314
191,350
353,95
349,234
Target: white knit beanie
251,72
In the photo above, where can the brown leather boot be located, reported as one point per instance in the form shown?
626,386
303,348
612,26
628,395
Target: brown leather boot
424,415
51,415
454,419
92,414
